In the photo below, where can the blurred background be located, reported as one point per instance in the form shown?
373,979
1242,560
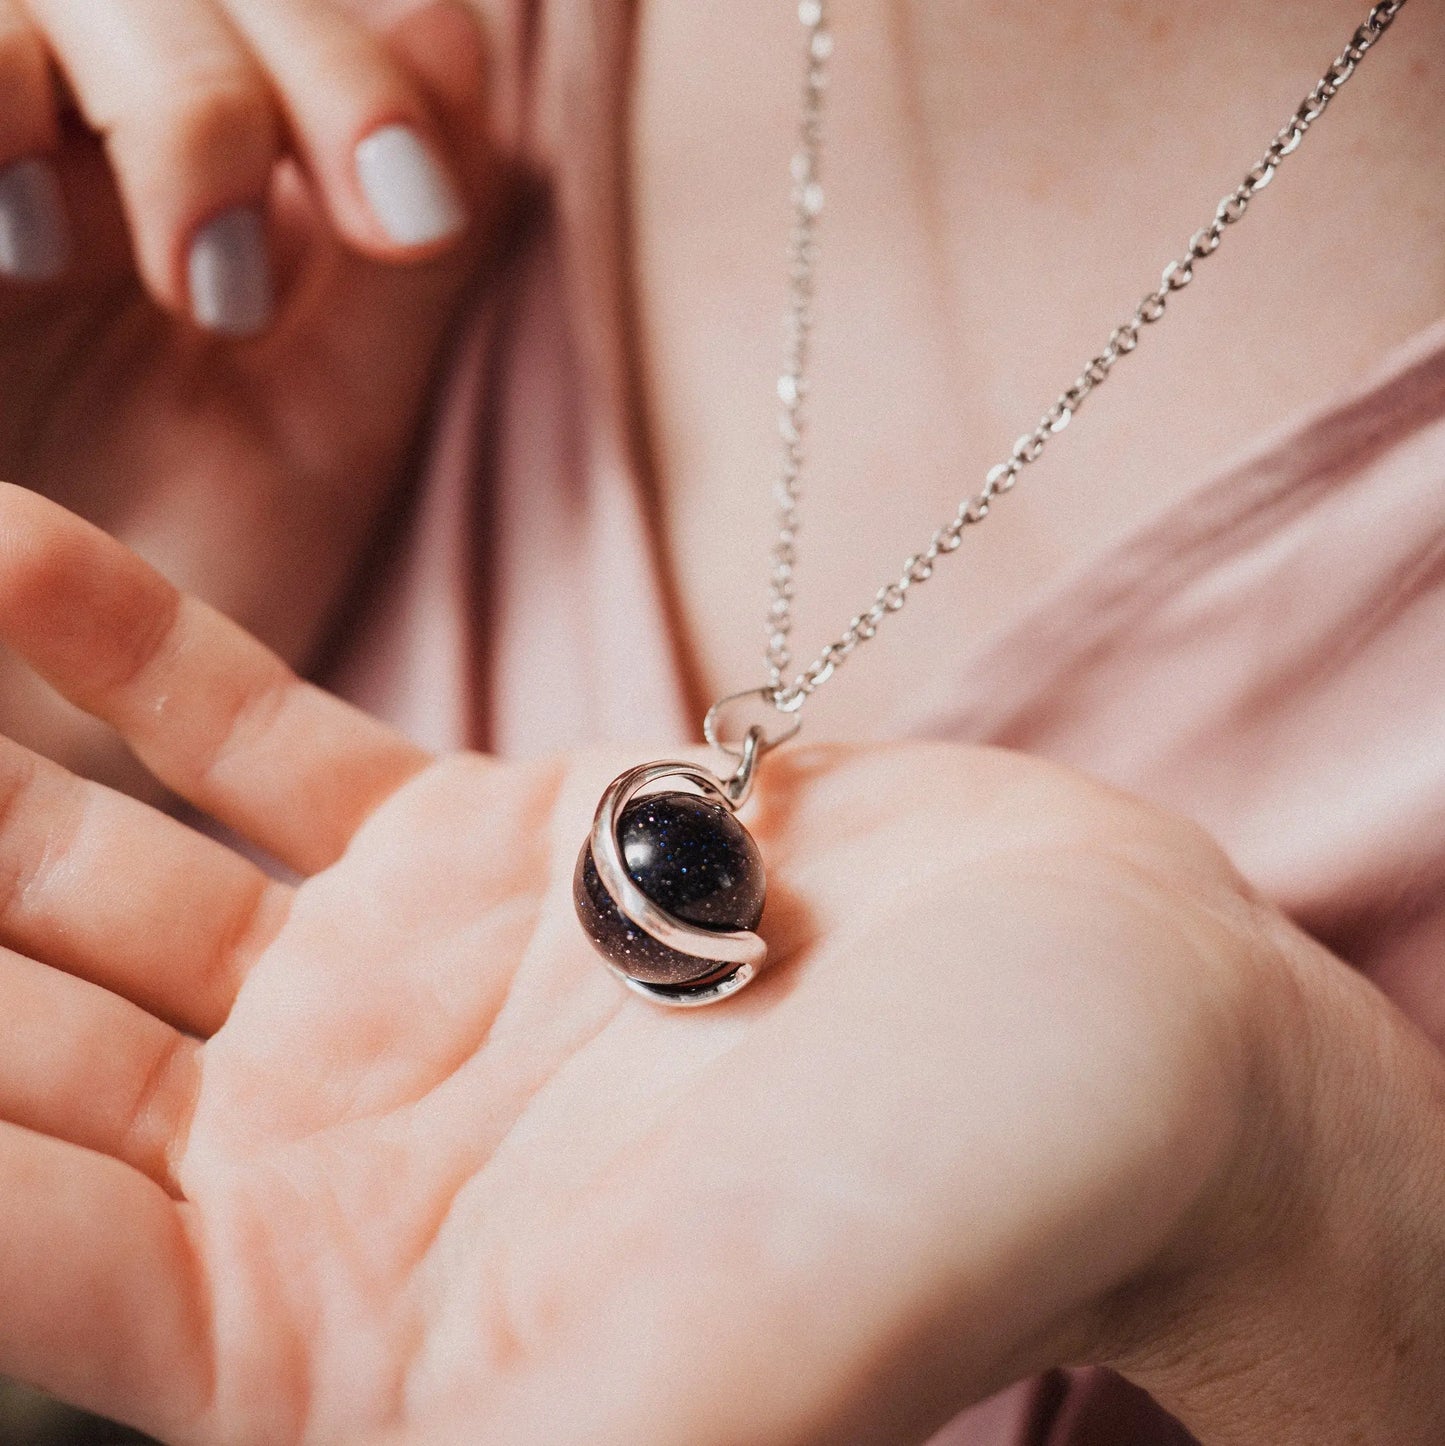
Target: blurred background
27,1419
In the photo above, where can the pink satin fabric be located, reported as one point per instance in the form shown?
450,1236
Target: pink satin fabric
1266,658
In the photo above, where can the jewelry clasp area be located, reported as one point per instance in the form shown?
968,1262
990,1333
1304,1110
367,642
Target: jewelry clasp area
756,741
765,711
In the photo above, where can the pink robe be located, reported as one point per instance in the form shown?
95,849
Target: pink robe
1268,657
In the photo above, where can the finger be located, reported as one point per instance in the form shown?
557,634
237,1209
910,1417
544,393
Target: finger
100,1293
362,124
34,232
441,44
110,890
216,716
28,121
87,1066
193,133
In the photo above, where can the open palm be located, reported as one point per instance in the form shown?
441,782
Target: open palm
389,1150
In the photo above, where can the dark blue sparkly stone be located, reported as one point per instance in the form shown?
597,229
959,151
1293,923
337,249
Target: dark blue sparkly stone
692,858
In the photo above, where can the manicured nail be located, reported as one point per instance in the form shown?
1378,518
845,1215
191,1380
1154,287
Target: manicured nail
410,194
230,274
34,234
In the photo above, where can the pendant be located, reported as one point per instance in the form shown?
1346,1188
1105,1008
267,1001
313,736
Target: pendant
669,886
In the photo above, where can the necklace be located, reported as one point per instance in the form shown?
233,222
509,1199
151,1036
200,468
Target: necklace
669,885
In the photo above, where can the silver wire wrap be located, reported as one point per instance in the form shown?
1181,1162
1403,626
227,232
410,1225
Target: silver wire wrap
742,949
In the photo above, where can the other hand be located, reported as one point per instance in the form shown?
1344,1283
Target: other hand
232,236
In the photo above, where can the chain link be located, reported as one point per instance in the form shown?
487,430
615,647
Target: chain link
792,384
807,196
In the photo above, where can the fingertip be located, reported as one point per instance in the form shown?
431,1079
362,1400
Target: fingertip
230,281
444,47
409,191
35,234
364,127
17,504
192,182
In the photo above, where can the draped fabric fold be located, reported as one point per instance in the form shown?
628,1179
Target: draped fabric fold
1265,657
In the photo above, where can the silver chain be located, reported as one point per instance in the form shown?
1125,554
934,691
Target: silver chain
807,194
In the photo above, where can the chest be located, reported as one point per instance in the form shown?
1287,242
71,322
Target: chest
1001,187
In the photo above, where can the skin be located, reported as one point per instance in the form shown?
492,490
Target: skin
223,460
387,1151
387,1154
1004,180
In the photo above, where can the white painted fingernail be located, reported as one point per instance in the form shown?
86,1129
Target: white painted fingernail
230,274
34,234
410,194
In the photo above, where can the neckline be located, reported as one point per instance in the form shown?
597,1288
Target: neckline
1086,603
1268,481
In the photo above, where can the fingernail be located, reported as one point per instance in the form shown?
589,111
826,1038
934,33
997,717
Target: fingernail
34,234
230,274
411,196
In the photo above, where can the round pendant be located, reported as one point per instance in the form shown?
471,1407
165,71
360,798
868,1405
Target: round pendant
669,887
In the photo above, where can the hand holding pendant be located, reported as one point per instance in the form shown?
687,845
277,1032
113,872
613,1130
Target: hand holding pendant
1031,1078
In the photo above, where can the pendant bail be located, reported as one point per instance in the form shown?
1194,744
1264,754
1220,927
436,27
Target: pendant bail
740,785
773,725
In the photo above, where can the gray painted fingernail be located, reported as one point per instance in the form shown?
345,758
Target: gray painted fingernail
34,234
230,274
413,199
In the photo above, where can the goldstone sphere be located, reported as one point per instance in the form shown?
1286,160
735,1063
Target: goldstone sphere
694,860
